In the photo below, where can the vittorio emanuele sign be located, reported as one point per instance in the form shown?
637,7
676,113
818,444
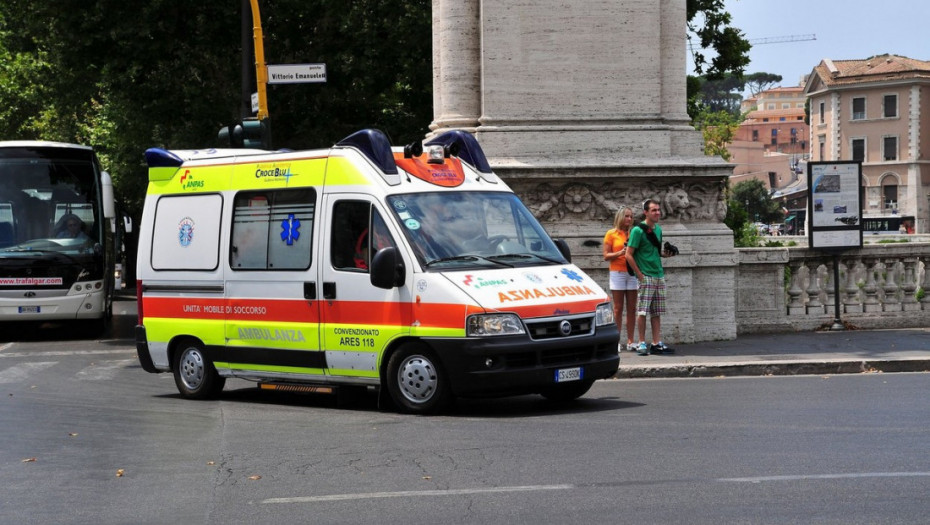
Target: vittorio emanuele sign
296,73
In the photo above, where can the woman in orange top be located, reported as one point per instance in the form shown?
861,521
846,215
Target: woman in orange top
623,285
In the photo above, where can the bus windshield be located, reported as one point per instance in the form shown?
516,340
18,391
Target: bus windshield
465,230
48,204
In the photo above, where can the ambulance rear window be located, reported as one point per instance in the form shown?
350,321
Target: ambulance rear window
272,230
187,232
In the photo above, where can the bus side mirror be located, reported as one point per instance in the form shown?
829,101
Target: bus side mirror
564,249
106,193
387,269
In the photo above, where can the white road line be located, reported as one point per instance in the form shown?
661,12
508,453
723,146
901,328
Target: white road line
5,346
65,353
760,479
22,371
104,370
416,494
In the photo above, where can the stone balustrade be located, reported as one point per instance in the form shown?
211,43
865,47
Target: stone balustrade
790,289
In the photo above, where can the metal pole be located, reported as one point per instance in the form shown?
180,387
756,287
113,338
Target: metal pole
245,109
837,323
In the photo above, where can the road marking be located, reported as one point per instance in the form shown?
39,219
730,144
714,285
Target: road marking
20,372
416,494
66,353
5,346
760,479
104,370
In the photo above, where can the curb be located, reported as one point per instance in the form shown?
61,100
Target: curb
773,368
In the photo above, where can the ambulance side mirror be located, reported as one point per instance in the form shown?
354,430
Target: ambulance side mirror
564,249
387,269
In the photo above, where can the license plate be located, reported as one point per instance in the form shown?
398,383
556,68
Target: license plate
563,375
29,309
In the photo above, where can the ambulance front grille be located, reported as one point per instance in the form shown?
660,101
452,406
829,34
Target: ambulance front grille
551,328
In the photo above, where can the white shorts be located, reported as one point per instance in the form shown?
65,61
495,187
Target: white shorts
623,281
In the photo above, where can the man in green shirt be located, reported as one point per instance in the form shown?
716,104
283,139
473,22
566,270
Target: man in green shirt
644,258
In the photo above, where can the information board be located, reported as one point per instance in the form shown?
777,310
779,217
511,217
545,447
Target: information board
834,208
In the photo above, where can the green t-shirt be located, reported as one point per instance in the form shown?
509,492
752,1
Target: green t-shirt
647,256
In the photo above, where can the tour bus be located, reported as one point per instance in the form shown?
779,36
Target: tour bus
55,261
419,274
886,224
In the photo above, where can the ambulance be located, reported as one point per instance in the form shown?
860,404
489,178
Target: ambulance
411,270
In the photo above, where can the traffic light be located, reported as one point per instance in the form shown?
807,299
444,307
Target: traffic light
250,133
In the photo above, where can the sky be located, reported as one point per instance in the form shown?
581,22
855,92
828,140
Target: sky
844,29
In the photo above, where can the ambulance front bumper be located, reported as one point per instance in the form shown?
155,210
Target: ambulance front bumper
513,365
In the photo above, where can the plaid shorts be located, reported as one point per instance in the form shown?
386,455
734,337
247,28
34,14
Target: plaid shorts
651,300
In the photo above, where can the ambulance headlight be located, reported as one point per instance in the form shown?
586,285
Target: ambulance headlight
493,324
604,315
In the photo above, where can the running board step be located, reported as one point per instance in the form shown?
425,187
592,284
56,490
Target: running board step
297,388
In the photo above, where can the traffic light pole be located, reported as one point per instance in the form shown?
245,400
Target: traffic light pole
261,70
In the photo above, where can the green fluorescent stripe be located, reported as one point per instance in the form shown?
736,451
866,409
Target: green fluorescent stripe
269,368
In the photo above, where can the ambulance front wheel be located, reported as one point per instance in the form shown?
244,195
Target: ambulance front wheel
195,374
415,381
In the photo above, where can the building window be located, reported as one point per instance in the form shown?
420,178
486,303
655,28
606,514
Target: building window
755,135
765,120
785,105
782,119
858,149
799,105
890,148
858,108
821,112
890,106
890,194
821,146
770,105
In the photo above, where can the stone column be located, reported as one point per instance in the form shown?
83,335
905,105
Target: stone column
581,108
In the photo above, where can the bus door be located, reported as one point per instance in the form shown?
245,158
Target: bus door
358,319
272,297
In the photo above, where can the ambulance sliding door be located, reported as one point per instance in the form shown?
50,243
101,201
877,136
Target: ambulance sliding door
358,320
272,308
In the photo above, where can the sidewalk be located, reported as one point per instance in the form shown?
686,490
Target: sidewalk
843,352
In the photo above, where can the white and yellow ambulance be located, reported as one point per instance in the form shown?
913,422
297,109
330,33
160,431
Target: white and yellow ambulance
419,273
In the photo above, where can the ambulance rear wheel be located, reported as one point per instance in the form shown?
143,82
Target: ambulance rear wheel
415,381
195,374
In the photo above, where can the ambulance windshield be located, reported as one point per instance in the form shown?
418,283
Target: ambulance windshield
451,230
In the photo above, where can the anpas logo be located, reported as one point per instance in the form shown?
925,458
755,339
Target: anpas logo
480,282
273,172
189,182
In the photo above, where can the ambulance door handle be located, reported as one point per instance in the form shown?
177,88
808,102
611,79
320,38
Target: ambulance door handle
310,291
329,290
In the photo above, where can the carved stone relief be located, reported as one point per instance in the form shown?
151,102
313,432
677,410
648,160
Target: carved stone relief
582,200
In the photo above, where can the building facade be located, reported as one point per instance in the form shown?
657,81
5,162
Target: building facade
875,110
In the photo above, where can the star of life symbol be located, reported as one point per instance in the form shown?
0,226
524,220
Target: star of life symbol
186,231
571,274
290,229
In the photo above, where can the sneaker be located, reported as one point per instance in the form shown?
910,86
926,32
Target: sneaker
632,347
642,349
655,348
665,349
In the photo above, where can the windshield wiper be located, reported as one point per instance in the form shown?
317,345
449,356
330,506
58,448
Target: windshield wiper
467,258
525,256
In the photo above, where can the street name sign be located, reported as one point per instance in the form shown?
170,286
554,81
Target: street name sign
296,73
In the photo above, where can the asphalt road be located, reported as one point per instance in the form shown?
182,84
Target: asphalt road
88,437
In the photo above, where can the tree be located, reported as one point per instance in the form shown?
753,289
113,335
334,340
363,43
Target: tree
755,199
759,82
710,24
718,129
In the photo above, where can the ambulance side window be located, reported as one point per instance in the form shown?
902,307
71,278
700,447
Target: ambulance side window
352,246
272,230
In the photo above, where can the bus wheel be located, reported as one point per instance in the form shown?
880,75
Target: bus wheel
567,391
416,383
194,374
